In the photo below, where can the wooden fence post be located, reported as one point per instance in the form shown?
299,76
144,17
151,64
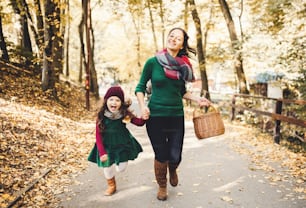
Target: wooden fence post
278,110
233,107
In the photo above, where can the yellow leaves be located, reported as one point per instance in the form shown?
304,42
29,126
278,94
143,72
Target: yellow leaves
279,164
300,190
227,199
39,135
4,198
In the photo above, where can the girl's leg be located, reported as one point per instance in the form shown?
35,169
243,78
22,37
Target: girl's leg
121,166
109,174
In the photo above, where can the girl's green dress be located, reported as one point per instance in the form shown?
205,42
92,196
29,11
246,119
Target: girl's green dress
118,142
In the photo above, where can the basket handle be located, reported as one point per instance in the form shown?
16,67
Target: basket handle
201,109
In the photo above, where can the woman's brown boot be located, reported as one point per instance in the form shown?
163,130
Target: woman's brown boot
161,178
173,175
111,189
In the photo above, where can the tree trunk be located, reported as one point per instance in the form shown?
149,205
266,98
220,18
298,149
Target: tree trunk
67,39
40,27
20,8
242,84
89,59
81,36
57,46
161,8
136,17
200,49
94,87
26,41
152,25
47,71
186,14
3,48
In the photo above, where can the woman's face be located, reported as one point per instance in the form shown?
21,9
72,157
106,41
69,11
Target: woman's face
175,40
113,104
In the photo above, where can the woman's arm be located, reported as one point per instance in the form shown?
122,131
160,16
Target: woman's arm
202,101
145,112
141,87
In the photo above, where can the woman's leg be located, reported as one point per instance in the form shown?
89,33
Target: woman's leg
175,136
167,136
156,132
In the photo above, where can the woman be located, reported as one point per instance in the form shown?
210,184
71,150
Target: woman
168,71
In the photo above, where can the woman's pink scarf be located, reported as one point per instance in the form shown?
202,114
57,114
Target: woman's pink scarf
175,68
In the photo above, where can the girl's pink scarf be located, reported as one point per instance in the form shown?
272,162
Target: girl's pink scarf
178,68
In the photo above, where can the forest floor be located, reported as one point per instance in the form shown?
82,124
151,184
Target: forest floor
44,143
40,135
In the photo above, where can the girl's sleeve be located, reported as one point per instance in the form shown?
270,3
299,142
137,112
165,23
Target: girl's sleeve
138,121
99,142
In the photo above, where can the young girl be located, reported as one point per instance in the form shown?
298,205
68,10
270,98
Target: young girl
114,143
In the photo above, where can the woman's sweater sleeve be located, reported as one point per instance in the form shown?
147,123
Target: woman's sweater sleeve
99,142
145,76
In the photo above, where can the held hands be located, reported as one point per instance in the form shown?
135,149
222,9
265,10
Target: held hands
145,113
104,158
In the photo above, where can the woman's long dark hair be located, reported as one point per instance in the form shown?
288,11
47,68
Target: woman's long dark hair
124,110
186,50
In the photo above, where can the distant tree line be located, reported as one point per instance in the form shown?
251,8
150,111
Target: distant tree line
44,35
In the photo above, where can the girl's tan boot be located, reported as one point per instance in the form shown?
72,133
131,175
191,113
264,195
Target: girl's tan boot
111,189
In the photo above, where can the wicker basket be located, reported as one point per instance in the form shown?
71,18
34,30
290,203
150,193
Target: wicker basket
207,124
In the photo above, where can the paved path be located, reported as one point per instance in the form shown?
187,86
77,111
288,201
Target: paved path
211,175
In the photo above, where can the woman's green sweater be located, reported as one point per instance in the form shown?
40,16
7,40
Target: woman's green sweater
167,94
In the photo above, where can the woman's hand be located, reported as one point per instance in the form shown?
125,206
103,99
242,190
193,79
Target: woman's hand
202,101
104,158
145,113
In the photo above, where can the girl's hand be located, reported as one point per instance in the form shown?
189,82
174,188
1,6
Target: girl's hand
145,113
104,158
202,101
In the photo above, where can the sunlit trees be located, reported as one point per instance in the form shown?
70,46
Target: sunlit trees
201,48
131,31
236,45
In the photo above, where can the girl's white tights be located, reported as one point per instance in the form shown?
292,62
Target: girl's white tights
109,172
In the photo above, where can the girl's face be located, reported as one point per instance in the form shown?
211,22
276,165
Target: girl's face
175,40
113,104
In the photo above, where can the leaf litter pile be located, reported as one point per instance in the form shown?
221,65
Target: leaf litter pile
282,168
44,144
41,139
